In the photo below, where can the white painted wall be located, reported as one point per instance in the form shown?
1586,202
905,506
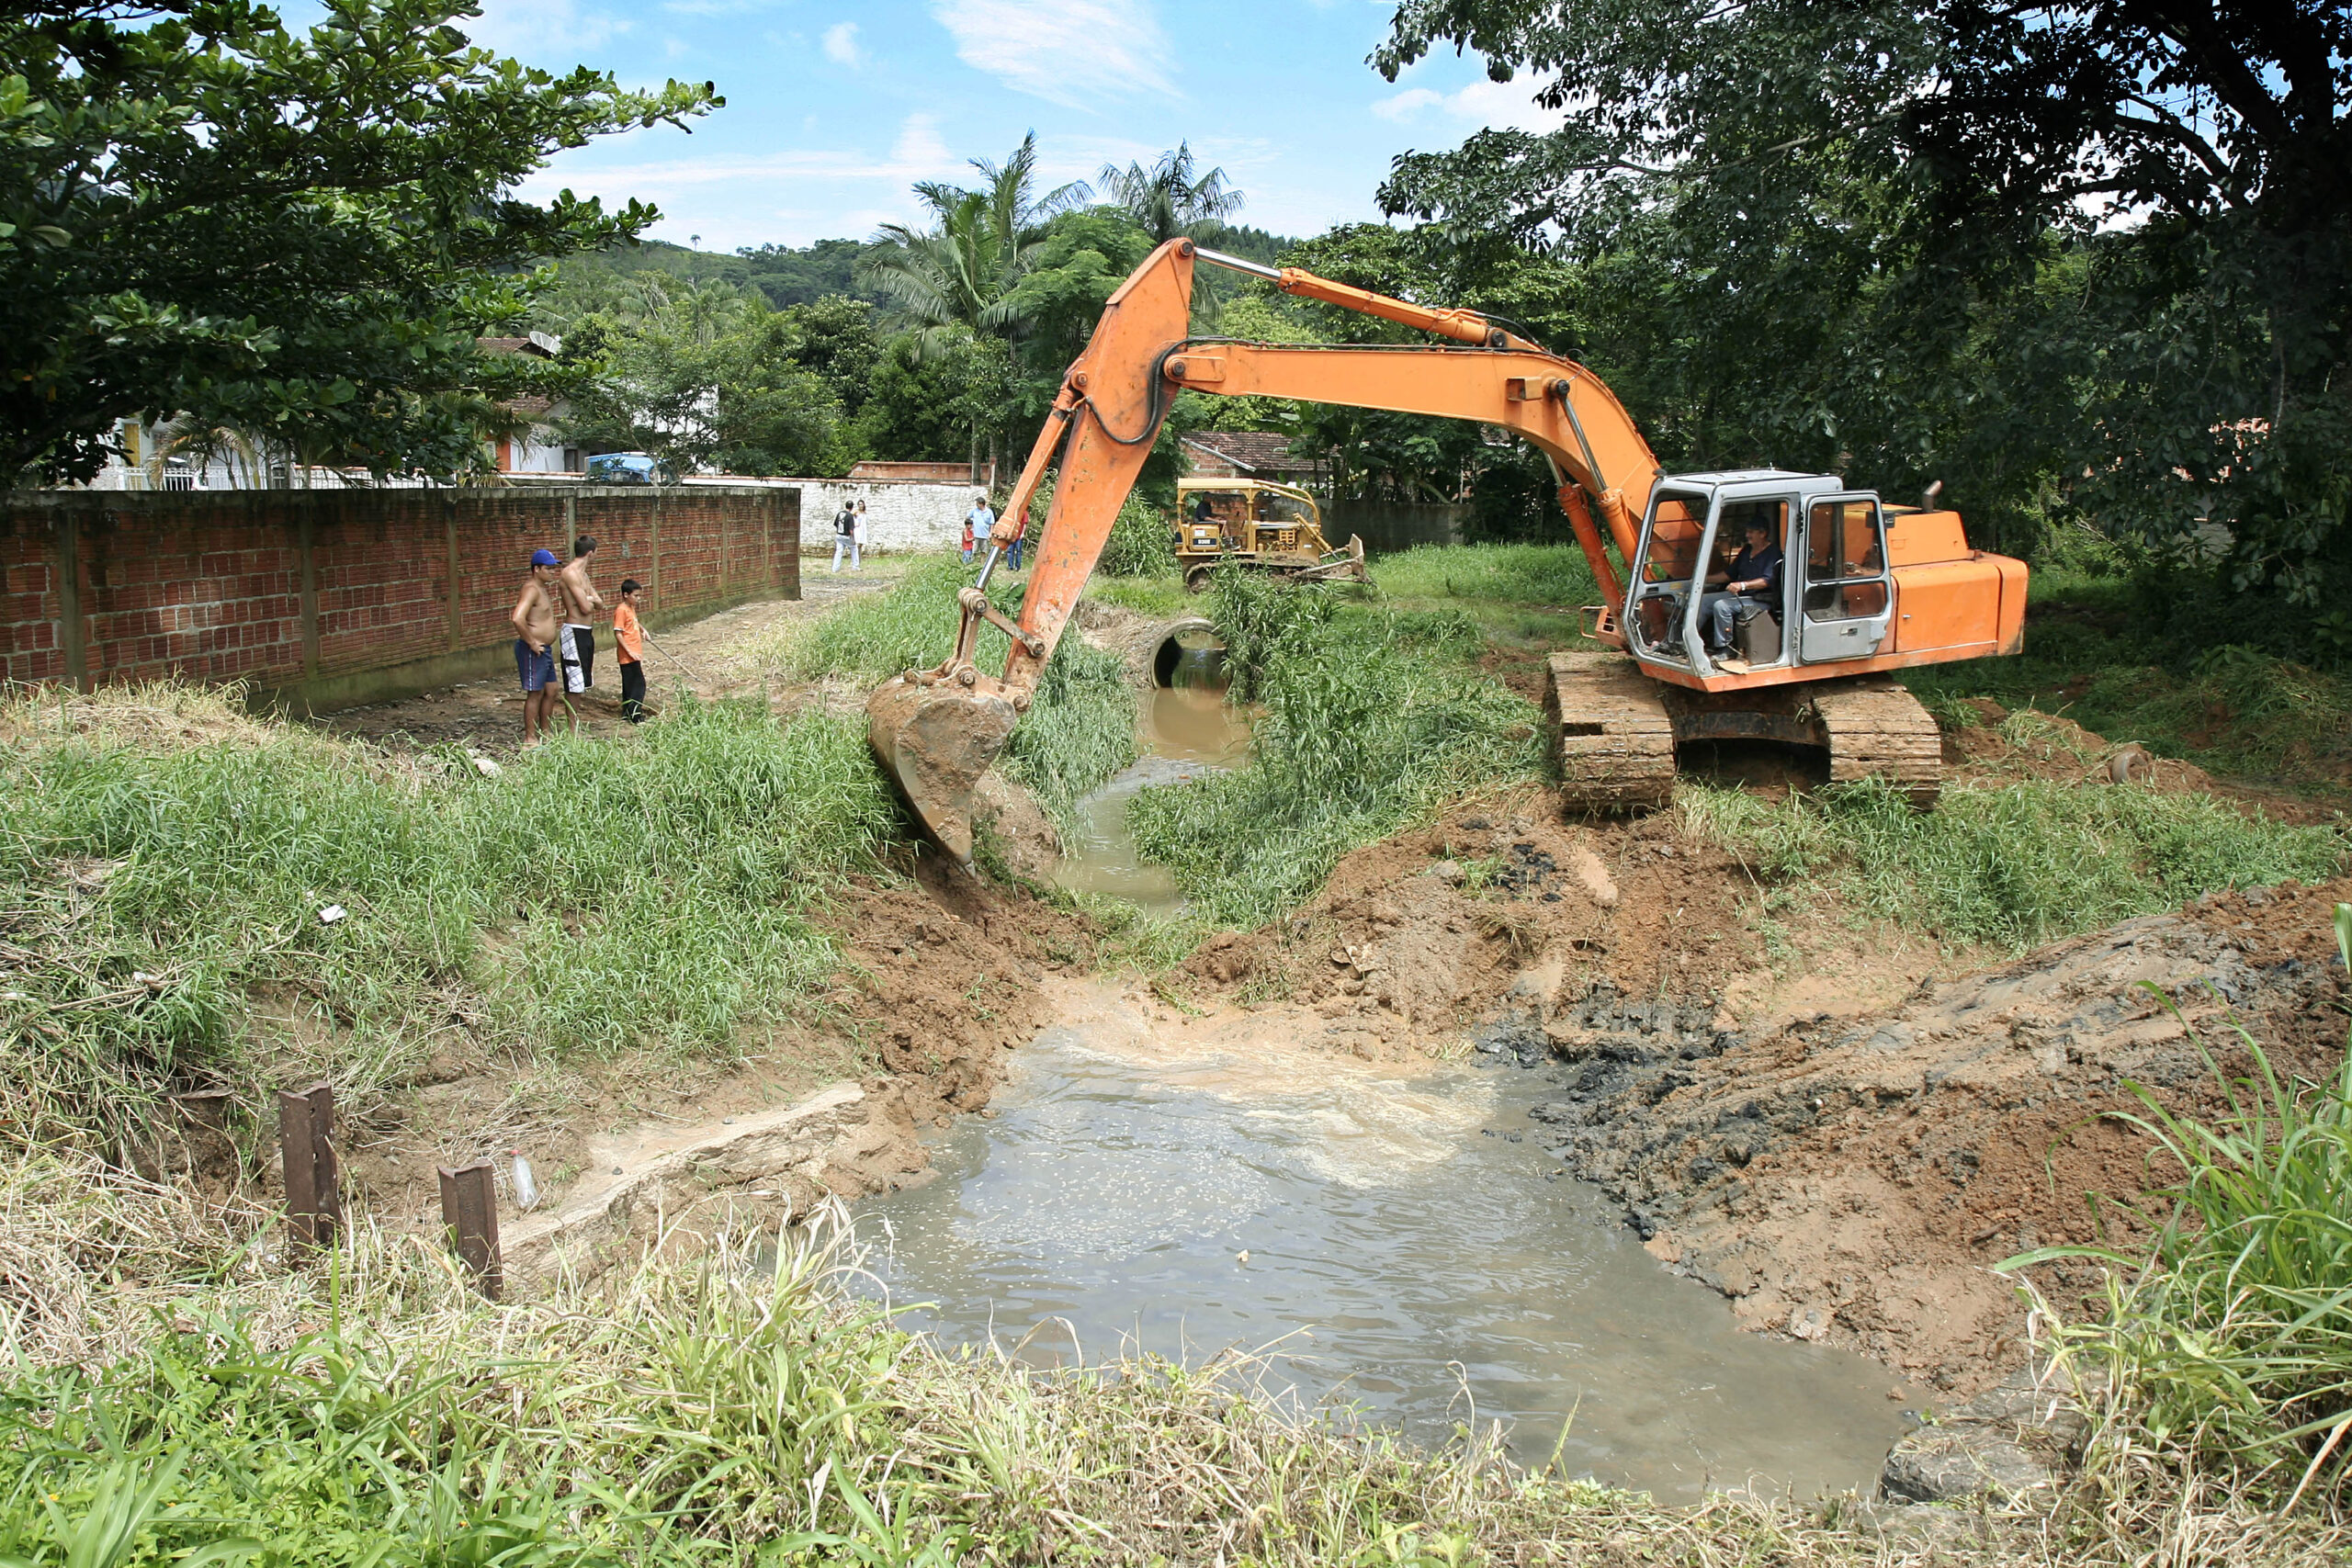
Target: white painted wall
899,515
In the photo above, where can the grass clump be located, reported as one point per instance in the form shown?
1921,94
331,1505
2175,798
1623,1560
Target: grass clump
156,899
1553,575
876,635
2013,866
2229,1343
1079,730
1371,719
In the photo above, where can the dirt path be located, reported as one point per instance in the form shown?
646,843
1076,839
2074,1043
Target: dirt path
713,657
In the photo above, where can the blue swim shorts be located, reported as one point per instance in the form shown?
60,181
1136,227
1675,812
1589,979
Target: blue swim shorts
538,670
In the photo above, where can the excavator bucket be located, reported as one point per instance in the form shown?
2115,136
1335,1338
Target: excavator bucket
937,740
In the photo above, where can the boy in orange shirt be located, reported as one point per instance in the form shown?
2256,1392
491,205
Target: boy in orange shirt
631,637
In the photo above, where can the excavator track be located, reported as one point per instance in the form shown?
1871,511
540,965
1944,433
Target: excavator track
1616,739
1876,729
1617,730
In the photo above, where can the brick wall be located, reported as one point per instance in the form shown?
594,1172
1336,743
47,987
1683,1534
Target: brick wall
332,597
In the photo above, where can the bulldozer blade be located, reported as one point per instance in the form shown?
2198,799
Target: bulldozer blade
936,741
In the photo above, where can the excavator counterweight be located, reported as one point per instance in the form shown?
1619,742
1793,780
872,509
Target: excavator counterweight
1840,590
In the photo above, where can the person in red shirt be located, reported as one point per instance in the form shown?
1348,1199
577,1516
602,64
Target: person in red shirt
631,638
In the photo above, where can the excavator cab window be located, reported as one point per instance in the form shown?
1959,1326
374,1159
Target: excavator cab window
1848,593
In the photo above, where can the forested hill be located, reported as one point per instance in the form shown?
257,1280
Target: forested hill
803,275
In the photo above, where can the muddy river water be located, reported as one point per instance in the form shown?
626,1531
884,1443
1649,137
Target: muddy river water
1391,1238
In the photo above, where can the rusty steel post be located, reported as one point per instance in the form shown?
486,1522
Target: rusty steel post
313,1197
470,1211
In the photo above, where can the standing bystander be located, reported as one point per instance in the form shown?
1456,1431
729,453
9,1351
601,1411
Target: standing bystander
844,537
865,541
537,615
628,637
980,523
577,649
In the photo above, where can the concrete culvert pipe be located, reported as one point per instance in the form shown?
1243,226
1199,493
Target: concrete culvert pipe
1169,652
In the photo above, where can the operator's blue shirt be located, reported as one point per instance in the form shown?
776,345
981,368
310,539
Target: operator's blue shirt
1751,565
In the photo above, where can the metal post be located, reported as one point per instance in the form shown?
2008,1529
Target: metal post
313,1199
470,1211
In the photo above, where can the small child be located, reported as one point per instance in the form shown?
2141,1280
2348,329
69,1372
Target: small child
967,541
631,637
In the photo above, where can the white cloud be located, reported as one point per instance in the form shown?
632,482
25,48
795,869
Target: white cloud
1074,52
841,44
540,30
1498,104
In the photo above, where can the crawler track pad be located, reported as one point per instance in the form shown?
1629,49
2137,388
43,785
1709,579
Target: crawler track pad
936,741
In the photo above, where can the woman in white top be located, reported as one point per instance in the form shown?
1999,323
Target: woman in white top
859,540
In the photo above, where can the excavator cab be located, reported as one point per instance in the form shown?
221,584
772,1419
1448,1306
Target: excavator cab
1834,595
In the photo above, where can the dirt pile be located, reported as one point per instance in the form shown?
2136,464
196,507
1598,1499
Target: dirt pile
1421,942
1851,1180
1840,1132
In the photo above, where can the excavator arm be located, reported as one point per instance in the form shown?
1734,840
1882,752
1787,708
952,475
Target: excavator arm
938,730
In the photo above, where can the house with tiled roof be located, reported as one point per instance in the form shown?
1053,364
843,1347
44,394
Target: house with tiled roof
1248,455
538,447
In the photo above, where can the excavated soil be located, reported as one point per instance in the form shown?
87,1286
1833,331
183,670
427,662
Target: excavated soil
941,979
1839,1131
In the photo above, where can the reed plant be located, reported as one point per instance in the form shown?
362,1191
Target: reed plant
2226,1344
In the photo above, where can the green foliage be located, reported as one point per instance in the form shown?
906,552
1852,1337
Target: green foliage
1551,575
1802,278
295,235
1142,543
669,901
2013,866
704,375
1371,720
2231,1337
878,636
1080,731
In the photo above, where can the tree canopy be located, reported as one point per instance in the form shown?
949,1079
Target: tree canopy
2087,258
296,235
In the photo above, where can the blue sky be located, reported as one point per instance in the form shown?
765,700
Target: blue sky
834,107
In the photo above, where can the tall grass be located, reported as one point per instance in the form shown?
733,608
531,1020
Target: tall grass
155,901
724,1415
2014,866
1079,731
2231,1336
876,635
1553,575
1371,719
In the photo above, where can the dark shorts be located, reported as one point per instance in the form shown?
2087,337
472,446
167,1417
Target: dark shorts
578,646
538,670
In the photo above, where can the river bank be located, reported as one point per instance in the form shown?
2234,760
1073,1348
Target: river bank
1667,997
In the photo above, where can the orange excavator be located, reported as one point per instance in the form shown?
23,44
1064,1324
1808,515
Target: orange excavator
1861,589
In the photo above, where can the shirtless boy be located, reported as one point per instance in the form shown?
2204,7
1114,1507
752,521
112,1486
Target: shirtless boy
537,617
576,645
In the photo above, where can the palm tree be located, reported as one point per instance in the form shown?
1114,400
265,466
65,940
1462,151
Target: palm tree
962,269
1170,201
958,276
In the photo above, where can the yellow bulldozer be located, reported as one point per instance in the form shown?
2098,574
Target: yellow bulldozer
1269,527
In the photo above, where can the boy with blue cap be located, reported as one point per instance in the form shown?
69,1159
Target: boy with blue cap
537,617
